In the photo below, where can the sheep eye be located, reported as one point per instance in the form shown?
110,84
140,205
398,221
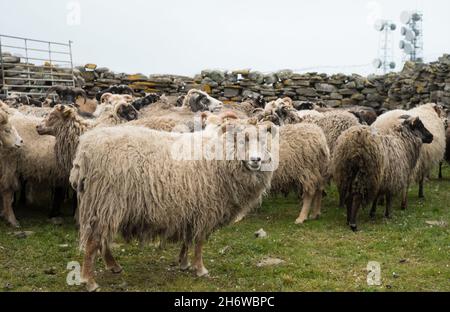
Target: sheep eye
7,130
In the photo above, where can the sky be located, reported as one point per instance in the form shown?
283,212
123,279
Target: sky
184,37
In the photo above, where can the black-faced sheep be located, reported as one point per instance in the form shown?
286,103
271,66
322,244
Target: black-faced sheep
447,151
433,118
145,101
199,195
367,164
116,89
67,95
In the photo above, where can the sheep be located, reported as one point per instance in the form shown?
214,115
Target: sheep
87,106
16,100
432,117
334,123
10,141
303,163
109,100
67,95
67,126
164,116
367,164
35,162
194,101
115,89
447,151
145,101
128,198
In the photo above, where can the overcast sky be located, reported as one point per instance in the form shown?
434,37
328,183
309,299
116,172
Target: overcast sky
183,37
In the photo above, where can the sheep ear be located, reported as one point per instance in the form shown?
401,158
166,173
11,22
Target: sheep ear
288,101
66,112
128,97
105,97
404,117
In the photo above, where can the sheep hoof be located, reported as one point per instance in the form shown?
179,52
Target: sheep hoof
299,221
354,227
202,272
92,286
185,266
316,217
14,223
116,269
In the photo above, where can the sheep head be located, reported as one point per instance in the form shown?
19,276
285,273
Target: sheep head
126,111
59,115
109,98
418,128
9,137
199,101
248,142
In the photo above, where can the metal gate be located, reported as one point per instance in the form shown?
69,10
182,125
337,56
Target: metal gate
31,67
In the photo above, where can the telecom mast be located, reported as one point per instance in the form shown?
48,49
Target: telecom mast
385,61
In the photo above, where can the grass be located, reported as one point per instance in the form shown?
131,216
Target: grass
322,255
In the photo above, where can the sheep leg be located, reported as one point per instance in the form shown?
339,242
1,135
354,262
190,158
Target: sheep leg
23,194
111,263
404,199
421,188
373,210
388,205
349,208
307,200
87,272
58,198
440,169
183,259
8,212
198,259
356,203
317,203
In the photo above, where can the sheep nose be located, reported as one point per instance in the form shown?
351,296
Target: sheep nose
255,159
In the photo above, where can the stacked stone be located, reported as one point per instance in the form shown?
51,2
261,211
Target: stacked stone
421,83
334,90
415,84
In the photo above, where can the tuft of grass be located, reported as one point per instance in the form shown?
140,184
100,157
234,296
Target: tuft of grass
322,255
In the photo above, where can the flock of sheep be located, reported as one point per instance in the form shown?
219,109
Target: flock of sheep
116,154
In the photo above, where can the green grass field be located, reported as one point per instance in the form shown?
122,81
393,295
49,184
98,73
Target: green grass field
322,255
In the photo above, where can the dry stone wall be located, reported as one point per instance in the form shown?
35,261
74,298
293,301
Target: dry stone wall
415,84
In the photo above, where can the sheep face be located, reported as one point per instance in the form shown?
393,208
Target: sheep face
418,128
251,144
126,111
60,114
9,137
199,101
109,98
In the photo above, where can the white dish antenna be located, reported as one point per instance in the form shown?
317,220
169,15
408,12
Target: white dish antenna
377,63
405,17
